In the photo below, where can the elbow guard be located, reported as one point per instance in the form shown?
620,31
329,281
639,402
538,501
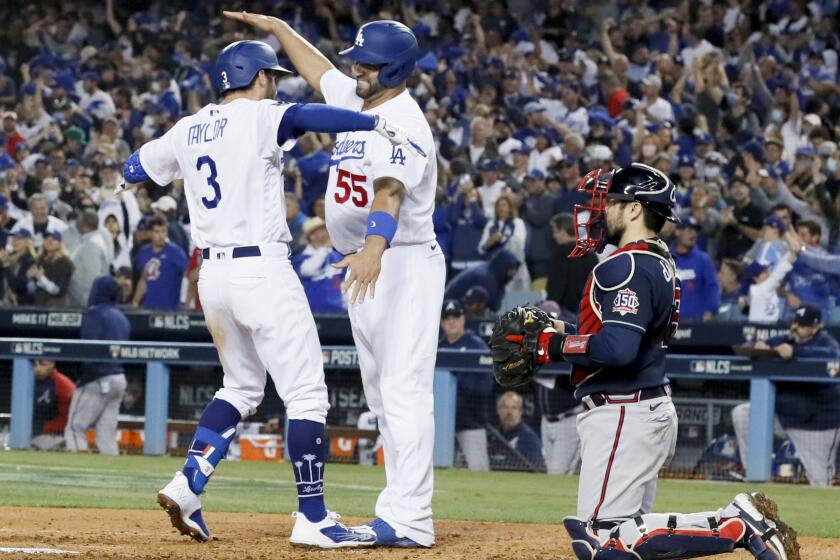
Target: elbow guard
133,171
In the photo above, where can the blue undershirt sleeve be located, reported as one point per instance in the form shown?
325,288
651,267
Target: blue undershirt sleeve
133,171
317,117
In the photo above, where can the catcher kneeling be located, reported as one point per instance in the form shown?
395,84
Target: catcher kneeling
628,430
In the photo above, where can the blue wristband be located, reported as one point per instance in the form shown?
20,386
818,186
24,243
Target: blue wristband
383,224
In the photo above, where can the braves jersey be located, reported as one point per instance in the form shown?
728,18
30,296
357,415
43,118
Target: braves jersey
359,158
635,288
232,166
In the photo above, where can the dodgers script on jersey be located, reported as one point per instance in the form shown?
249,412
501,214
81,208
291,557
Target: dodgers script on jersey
232,169
360,156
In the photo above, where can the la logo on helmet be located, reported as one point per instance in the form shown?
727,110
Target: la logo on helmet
360,39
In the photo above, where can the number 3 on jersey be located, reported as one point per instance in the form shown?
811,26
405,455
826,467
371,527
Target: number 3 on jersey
349,183
211,180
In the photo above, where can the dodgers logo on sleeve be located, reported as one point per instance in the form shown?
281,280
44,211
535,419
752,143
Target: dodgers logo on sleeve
626,301
397,155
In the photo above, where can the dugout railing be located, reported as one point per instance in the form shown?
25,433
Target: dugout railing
159,356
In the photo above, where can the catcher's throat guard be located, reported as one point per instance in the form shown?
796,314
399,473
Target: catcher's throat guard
590,217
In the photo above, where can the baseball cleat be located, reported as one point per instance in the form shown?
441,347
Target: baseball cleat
327,533
385,535
184,508
768,537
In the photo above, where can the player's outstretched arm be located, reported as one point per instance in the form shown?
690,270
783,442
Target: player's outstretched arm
318,117
382,225
304,56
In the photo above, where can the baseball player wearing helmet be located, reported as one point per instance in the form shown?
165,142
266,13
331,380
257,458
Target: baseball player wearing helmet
230,156
380,200
628,429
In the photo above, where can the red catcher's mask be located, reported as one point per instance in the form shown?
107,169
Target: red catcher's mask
590,217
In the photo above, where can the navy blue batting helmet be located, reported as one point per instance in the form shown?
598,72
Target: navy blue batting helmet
239,63
389,44
647,185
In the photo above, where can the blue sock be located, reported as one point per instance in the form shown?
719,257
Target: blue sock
306,443
210,443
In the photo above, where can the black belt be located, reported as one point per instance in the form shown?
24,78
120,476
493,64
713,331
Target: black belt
238,252
600,399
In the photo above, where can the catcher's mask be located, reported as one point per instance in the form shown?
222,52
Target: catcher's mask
632,183
590,219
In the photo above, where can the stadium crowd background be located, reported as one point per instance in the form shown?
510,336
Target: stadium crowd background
737,101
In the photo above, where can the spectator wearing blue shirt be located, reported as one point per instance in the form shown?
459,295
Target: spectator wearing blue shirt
536,211
474,388
314,167
805,285
295,218
807,413
731,296
162,264
469,220
700,296
774,146
321,282
520,447
168,209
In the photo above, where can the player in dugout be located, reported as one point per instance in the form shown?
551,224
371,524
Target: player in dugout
807,413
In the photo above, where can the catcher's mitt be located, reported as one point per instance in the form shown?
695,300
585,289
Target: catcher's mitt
514,362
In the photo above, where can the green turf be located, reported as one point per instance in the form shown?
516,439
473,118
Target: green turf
66,480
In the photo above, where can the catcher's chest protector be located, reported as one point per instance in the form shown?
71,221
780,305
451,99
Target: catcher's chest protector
590,316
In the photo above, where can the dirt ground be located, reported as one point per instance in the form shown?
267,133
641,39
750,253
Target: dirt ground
100,533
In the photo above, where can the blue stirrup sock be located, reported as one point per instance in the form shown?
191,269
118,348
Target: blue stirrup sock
307,450
210,443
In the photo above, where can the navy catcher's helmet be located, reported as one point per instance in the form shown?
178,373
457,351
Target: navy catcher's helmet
387,43
239,62
635,182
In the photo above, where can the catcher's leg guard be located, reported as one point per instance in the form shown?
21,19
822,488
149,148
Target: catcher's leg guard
673,543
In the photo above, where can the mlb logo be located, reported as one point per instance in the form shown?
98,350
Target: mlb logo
115,351
833,368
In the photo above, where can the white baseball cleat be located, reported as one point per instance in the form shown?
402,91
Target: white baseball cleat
184,508
327,533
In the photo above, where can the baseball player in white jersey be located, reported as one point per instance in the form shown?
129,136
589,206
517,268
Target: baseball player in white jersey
380,200
230,155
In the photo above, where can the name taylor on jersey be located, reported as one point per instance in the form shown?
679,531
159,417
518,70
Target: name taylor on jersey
206,131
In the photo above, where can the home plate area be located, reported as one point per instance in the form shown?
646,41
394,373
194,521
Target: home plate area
135,534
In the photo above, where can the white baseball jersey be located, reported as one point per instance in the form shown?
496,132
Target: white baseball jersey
359,158
396,353
232,169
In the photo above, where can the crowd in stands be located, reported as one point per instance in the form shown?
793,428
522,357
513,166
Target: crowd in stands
738,101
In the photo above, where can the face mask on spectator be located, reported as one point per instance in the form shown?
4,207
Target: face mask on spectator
776,115
52,196
648,150
831,166
805,164
711,172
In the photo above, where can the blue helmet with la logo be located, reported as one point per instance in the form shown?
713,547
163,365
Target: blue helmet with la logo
238,64
388,44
